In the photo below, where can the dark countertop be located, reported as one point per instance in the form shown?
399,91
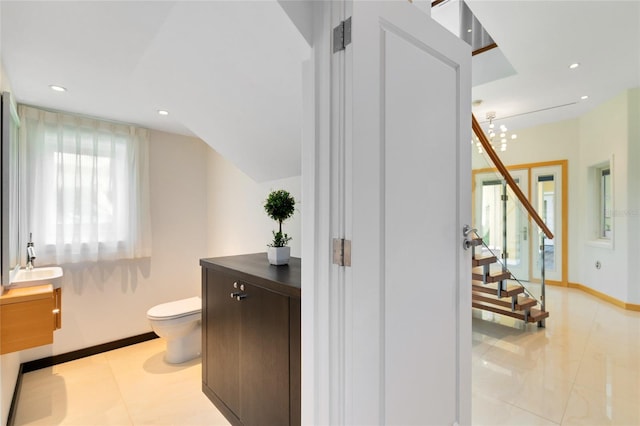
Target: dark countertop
255,269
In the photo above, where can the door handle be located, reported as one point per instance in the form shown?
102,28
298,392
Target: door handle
468,230
469,241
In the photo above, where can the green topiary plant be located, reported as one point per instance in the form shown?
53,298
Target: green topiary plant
279,205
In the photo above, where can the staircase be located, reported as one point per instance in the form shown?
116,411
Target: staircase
494,289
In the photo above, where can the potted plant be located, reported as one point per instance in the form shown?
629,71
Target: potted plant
279,206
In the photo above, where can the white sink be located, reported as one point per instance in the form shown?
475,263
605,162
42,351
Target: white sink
28,276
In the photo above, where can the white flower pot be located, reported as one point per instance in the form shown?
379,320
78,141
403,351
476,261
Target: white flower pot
278,255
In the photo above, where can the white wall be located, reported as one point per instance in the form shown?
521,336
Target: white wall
9,363
548,142
633,192
237,221
603,134
5,84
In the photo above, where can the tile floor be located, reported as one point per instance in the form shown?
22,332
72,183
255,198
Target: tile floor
127,386
582,369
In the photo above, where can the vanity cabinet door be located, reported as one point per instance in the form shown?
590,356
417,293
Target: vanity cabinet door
264,357
221,339
28,317
250,349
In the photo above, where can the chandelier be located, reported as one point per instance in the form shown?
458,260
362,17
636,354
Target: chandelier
498,137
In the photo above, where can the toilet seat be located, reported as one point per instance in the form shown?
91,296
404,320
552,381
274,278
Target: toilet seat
175,309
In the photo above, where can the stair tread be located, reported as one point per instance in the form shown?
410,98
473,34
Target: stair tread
492,271
497,310
494,276
535,315
485,259
522,303
492,288
538,315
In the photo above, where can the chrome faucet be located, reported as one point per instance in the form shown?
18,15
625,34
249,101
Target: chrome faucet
31,253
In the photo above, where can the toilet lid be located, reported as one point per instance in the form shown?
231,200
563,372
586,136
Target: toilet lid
176,309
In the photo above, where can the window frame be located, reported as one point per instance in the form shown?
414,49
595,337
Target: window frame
605,210
596,205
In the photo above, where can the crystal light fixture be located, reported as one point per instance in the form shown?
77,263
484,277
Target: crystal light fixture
497,137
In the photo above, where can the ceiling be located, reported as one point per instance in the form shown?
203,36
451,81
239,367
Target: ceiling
227,72
540,39
230,72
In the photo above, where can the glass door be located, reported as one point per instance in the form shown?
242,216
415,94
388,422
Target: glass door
489,220
547,200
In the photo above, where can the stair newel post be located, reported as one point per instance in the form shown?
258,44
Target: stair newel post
505,255
542,273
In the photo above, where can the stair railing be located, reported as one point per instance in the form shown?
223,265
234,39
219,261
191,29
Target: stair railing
505,253
486,145
533,214
502,261
542,272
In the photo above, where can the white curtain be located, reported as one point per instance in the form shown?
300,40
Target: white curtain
86,189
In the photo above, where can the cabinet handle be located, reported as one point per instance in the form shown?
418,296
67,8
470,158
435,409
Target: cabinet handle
241,296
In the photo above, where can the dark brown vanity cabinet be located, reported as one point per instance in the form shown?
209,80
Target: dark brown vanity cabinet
251,339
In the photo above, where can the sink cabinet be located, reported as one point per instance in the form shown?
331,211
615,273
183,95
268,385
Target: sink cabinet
251,339
28,317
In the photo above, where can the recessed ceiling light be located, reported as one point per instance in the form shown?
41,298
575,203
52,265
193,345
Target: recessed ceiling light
469,30
57,88
574,66
163,112
584,97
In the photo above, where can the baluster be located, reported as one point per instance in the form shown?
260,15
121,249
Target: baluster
541,323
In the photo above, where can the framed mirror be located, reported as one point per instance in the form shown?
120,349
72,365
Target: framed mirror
10,188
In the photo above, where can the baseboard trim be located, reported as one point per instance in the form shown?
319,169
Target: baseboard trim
83,353
14,400
27,367
555,283
619,303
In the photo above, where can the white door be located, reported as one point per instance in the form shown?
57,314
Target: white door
408,127
489,220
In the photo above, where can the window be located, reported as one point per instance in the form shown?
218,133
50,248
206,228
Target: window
605,203
86,188
600,205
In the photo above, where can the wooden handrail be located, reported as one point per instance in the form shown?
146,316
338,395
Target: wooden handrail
484,49
507,176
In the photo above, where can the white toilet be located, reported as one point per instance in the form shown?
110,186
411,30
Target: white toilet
179,323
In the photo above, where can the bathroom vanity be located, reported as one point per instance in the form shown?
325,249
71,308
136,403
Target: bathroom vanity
29,316
251,339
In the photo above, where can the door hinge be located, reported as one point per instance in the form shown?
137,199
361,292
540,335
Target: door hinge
504,198
341,252
342,35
